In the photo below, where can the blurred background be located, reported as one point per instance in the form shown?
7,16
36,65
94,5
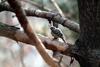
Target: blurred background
17,54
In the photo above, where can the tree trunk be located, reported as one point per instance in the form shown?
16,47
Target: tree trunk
87,47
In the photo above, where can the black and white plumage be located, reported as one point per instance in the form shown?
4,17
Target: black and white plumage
57,33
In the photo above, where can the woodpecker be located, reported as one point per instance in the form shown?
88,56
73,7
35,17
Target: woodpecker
57,33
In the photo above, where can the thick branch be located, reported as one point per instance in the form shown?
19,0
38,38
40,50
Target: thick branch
47,15
17,35
20,13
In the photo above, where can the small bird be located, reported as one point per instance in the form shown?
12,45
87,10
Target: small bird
57,33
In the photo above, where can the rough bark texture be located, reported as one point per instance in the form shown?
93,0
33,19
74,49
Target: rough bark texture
47,15
87,47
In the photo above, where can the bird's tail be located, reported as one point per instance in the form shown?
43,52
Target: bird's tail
65,41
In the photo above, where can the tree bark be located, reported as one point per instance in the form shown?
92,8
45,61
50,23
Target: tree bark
87,47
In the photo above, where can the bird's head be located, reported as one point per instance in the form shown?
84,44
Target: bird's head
52,28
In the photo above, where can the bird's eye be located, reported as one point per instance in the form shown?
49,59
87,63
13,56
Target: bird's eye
13,16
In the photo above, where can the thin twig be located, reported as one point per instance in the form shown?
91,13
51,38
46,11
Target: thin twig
58,8
20,13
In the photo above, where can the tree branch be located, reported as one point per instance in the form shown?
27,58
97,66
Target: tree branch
57,7
20,13
47,15
17,35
